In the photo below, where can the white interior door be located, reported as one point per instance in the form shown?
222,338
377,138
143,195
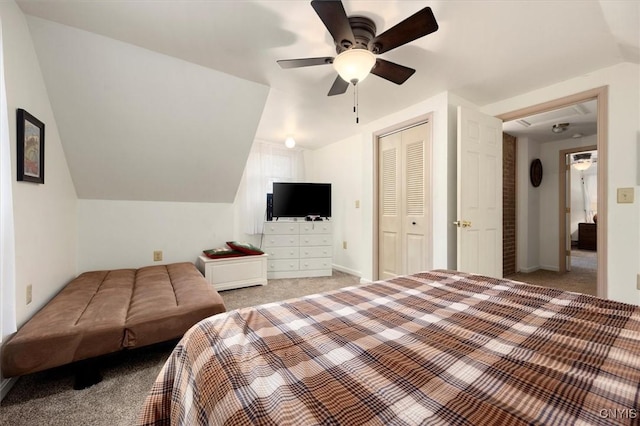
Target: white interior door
389,207
416,156
404,236
479,193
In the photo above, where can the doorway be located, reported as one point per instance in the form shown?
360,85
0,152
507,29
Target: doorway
598,95
577,203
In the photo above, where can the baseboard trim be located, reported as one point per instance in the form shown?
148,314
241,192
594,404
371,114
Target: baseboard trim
346,270
550,268
6,385
530,269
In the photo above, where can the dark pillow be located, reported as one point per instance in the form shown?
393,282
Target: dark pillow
245,248
218,253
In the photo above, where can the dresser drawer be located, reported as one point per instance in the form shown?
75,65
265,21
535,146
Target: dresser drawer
316,240
323,227
281,240
314,251
283,252
283,265
281,228
308,264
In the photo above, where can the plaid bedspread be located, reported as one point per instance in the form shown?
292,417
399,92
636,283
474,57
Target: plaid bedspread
440,347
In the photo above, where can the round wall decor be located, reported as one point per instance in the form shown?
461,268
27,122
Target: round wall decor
535,172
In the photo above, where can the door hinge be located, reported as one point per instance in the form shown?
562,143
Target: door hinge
567,253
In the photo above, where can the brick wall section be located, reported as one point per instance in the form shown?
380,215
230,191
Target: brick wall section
508,205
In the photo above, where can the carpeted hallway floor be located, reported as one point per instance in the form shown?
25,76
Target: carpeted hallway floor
581,279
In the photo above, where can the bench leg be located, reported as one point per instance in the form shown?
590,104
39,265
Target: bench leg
87,374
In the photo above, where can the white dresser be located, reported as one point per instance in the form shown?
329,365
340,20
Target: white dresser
298,249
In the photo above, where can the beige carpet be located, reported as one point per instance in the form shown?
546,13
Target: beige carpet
47,398
581,279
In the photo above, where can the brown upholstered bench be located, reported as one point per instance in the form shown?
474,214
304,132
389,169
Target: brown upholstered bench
102,312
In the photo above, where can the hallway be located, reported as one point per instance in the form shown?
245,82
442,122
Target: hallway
581,279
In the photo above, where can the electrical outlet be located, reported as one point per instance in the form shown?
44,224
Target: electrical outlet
344,245
29,293
357,204
157,256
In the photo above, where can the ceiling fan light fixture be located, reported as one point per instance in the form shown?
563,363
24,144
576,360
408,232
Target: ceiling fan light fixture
582,161
582,165
354,65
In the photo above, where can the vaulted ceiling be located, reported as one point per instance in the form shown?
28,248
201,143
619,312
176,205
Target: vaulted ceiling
161,100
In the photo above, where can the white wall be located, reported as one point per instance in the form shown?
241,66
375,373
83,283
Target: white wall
358,152
623,132
549,198
124,234
45,215
340,164
527,207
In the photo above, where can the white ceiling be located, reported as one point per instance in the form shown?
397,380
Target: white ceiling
484,51
581,120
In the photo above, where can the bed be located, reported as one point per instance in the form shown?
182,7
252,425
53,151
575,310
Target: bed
439,347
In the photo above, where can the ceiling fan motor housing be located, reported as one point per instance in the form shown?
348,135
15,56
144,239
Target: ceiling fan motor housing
364,30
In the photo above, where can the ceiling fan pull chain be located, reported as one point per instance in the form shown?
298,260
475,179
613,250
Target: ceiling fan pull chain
355,102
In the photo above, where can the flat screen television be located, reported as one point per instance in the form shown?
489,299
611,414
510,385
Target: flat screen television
301,199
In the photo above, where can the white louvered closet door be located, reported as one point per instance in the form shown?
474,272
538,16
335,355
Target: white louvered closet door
404,211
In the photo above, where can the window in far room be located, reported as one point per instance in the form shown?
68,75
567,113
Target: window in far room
267,163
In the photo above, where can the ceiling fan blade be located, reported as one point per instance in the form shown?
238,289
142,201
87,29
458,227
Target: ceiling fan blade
333,16
306,62
393,72
339,87
417,25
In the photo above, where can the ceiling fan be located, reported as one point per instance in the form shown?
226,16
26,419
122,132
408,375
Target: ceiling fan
357,44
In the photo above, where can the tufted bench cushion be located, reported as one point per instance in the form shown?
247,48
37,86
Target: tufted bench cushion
101,312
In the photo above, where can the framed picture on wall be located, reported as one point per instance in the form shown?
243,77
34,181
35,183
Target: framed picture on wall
30,148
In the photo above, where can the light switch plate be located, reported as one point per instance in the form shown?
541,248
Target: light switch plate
638,282
625,195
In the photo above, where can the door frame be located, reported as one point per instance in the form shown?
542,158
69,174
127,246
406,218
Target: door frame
601,95
562,197
412,122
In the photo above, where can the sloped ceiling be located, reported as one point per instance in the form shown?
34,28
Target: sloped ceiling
186,86
139,125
